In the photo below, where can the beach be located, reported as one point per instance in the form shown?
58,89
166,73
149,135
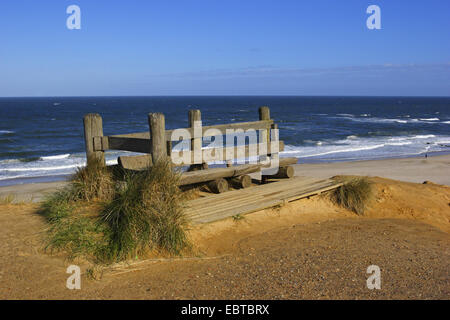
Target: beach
227,151
306,249
415,169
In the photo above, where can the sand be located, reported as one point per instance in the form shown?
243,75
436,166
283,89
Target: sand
307,249
435,169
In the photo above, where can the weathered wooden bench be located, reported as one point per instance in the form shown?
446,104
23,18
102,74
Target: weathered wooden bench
158,142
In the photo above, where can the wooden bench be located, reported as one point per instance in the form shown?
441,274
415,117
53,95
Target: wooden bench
158,142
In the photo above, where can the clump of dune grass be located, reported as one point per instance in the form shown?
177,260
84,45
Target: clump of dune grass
354,194
92,182
144,214
147,214
71,228
78,235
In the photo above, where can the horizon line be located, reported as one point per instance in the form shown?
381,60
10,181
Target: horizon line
230,95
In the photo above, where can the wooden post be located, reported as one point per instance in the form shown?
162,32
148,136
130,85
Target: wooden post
243,181
196,144
283,172
93,127
219,185
264,114
157,124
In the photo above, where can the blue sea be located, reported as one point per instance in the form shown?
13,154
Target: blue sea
41,139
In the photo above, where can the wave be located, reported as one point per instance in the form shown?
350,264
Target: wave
345,114
7,132
364,118
335,151
56,157
53,168
430,119
370,147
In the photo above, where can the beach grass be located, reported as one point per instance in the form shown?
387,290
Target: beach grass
95,181
354,194
147,214
7,199
94,219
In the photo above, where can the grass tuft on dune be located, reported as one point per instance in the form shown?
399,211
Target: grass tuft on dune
354,194
105,218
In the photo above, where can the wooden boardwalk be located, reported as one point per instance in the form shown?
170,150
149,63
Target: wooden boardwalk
238,202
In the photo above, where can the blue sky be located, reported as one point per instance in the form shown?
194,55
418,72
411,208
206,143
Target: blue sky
209,47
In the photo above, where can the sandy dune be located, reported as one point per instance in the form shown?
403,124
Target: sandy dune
307,249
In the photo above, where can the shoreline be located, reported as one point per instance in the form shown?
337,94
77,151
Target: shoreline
435,168
64,177
410,169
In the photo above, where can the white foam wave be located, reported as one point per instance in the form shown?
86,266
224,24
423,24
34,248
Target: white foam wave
426,136
429,119
370,147
53,168
56,157
334,151
6,132
364,118
345,114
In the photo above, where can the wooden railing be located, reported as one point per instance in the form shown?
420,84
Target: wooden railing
157,142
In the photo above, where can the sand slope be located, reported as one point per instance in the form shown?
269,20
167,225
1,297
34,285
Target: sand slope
307,249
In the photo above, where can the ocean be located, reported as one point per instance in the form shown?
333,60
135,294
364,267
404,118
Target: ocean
41,139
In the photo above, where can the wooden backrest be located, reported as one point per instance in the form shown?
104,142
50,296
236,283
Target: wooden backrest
159,142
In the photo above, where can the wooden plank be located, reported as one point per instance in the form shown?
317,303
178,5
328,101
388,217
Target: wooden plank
193,177
233,201
141,160
255,206
131,163
213,210
258,190
230,153
129,144
244,201
257,125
